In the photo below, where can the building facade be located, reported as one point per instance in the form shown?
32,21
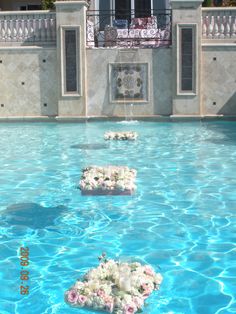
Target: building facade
87,60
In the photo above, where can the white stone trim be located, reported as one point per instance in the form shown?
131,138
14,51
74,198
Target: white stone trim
78,92
194,27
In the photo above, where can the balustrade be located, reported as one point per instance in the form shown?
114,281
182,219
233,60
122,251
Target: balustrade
28,27
219,23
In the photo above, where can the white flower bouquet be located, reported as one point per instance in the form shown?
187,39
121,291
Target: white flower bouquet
114,287
123,136
113,180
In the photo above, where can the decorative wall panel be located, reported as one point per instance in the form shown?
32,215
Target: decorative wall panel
128,82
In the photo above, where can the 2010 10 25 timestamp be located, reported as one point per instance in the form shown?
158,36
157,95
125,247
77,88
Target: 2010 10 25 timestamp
24,273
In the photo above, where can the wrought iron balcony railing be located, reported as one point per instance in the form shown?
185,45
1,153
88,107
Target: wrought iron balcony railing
129,29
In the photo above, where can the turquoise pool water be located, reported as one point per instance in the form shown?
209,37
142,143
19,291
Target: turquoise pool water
181,220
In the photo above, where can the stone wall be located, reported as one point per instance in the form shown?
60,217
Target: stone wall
29,81
157,82
33,68
219,79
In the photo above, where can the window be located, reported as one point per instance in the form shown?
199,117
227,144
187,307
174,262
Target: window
127,9
29,7
186,68
143,8
34,7
70,61
123,9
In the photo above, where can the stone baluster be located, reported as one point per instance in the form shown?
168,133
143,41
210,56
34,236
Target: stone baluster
5,30
227,26
48,30
204,28
17,29
2,33
216,28
27,33
40,29
1,29
233,32
20,30
24,30
43,34
53,25
14,30
222,28
9,30
28,29
211,27
36,30
31,29
51,28
207,25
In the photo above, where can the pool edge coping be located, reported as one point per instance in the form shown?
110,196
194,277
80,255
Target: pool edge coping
151,118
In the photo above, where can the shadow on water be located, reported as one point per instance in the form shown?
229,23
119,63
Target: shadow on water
31,215
224,133
90,146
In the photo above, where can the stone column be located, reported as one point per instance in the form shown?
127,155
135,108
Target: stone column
71,53
186,23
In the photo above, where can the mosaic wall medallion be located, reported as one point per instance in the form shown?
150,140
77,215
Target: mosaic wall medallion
129,82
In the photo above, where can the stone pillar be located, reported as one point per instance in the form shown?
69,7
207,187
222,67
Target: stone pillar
186,47
71,53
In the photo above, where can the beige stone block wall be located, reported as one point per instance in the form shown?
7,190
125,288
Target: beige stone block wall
159,82
219,80
29,82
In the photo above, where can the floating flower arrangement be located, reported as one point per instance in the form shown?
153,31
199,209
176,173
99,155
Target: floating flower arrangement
114,287
123,136
110,180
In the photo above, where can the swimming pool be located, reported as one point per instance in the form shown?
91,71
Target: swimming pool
181,220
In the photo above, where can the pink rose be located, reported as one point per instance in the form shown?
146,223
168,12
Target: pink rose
101,293
148,271
72,296
129,309
82,299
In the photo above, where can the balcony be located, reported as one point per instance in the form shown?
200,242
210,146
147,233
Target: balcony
107,29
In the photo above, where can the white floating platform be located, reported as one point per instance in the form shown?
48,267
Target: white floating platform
109,180
121,136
